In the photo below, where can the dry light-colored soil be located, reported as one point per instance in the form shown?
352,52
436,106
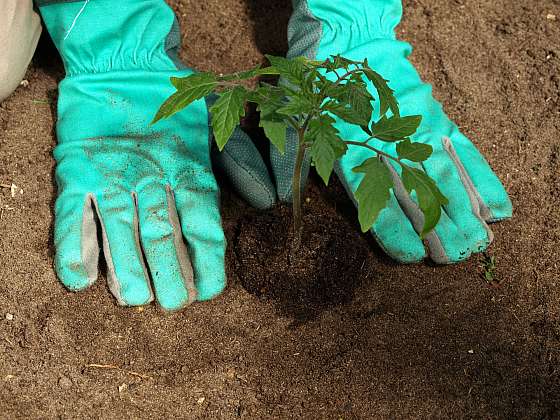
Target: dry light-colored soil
414,341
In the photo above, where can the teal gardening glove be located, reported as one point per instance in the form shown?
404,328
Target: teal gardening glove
149,187
365,29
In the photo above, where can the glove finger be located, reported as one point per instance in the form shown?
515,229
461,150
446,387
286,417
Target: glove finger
392,230
396,235
463,207
446,242
164,249
127,275
196,201
244,167
75,239
493,199
283,166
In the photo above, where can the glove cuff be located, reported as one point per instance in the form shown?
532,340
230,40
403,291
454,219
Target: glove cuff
97,36
319,28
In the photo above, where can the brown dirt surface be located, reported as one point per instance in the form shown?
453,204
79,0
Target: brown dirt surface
393,341
323,271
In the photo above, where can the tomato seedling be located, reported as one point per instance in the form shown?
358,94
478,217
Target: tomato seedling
311,97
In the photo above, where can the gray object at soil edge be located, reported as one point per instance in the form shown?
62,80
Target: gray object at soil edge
20,28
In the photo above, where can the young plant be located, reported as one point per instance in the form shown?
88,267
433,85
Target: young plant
489,273
308,98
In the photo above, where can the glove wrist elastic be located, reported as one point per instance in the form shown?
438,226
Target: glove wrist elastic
98,37
319,28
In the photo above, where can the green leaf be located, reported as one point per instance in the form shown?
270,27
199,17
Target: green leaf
177,82
430,198
266,93
373,192
346,113
276,133
415,152
326,145
333,90
335,62
189,89
226,114
297,104
396,128
292,70
387,98
267,71
308,84
339,61
354,96
193,81
268,99
321,84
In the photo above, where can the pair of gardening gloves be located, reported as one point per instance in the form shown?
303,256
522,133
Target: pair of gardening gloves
151,188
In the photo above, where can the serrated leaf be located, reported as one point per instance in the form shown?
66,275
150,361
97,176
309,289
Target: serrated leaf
177,82
396,128
326,145
333,90
335,62
226,114
289,91
267,71
276,132
387,98
193,80
355,97
268,99
323,86
373,192
308,86
415,152
297,104
340,61
266,93
189,89
357,92
346,113
293,70
430,198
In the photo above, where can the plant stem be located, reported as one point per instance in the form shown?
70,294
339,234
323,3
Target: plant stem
348,73
296,191
367,146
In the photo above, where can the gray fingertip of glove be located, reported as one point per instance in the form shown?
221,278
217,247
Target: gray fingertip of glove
80,270
89,245
164,250
479,207
181,250
147,295
435,247
77,269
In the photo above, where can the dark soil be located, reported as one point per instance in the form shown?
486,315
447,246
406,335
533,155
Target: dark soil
323,272
372,339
